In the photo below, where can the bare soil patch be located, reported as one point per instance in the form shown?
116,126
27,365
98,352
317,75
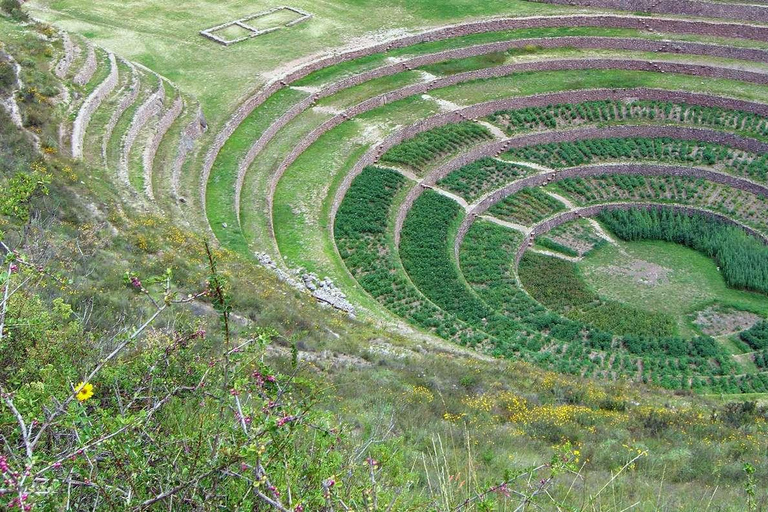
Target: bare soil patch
715,321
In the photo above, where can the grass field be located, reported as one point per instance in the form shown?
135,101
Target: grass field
164,35
664,277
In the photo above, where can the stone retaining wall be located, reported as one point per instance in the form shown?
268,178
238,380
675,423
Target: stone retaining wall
90,105
70,52
696,8
471,112
144,113
151,149
126,102
493,148
193,131
577,42
598,170
314,63
591,211
89,68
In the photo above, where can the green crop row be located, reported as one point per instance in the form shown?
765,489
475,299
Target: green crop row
607,111
361,237
481,176
662,149
527,207
428,146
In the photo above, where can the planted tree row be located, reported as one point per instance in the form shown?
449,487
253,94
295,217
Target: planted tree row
750,208
611,111
361,237
757,336
424,251
527,207
571,345
662,149
481,176
428,146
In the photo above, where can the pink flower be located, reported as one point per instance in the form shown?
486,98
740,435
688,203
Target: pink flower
285,419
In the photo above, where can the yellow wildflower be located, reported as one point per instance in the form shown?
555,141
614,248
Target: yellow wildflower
84,391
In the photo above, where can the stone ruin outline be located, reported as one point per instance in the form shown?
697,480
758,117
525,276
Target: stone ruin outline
254,32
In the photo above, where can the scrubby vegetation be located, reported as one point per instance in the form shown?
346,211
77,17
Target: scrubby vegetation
571,154
610,111
757,336
738,204
482,176
143,366
426,147
527,207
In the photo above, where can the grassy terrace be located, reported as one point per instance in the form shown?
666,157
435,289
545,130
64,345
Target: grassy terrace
94,136
313,168
155,35
689,276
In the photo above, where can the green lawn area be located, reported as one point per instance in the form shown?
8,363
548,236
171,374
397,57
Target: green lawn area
165,36
664,277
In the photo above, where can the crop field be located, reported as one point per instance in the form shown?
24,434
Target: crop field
469,180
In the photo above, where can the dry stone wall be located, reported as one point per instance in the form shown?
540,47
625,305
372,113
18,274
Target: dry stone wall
193,131
70,53
754,13
151,149
707,28
90,105
577,42
598,170
127,100
89,68
491,149
151,108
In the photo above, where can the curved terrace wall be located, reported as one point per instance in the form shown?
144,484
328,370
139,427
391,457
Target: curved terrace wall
487,150
125,103
615,43
143,114
501,193
706,28
90,105
483,109
755,13
150,150
564,64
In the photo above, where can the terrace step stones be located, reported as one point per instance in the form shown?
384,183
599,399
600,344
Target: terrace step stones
89,106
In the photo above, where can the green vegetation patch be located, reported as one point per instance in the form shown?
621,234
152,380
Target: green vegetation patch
742,258
527,207
481,176
426,252
362,240
428,146
661,149
757,336
612,111
558,284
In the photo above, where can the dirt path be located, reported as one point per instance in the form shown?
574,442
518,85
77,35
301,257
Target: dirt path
517,227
